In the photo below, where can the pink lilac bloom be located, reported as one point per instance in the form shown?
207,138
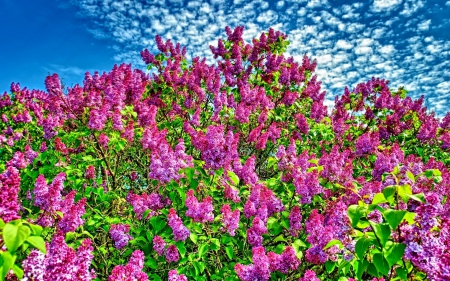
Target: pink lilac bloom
72,213
19,161
142,203
132,271
48,197
295,221
255,232
199,212
90,172
180,231
30,154
172,254
159,245
103,140
9,190
309,276
247,172
173,276
61,263
231,193
285,262
119,233
259,270
230,219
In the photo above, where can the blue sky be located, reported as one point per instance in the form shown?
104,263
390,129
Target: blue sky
404,41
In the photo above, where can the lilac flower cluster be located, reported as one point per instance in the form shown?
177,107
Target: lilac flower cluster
9,190
295,221
49,199
309,276
159,245
199,212
218,149
131,271
172,254
144,202
427,240
262,202
230,219
180,231
60,263
285,262
259,270
119,233
173,276
255,232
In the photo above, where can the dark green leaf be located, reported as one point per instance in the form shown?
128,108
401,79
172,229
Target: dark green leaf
381,263
202,249
394,253
362,267
382,231
181,248
230,252
402,273
362,245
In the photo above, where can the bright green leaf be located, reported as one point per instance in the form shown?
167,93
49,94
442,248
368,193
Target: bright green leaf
381,263
37,242
394,217
15,235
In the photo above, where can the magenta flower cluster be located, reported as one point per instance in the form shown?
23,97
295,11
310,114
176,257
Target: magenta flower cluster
132,270
199,212
60,263
119,234
180,232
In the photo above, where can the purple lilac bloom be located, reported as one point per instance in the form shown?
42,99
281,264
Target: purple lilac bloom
131,271
172,254
119,233
159,245
9,190
199,212
61,262
90,172
231,193
309,276
255,232
180,231
295,221
285,262
72,213
259,270
230,219
173,276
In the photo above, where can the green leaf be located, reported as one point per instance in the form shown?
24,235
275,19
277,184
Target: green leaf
158,223
394,217
194,238
234,178
394,253
362,245
37,242
355,213
181,248
417,197
402,273
329,266
8,263
379,198
18,271
362,267
230,252
214,244
389,192
202,249
35,229
152,263
332,243
404,191
381,263
382,231
15,235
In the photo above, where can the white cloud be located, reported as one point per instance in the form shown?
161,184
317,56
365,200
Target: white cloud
385,5
424,26
348,49
343,44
